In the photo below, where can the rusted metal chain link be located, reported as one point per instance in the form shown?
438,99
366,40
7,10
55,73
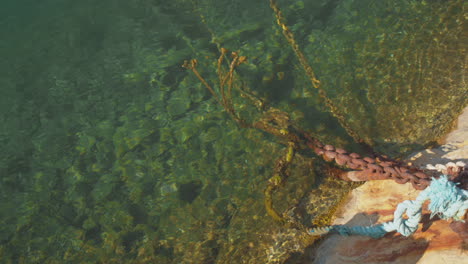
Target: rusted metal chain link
366,168
288,34
279,177
279,124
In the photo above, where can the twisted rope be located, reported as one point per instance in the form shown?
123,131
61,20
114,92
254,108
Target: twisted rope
447,201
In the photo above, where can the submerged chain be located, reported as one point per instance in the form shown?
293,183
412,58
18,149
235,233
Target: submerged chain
310,72
366,168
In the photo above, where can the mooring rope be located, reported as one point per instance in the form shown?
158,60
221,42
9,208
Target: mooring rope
446,200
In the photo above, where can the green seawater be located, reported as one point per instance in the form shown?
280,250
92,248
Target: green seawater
111,152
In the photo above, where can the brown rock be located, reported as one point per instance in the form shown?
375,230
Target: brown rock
435,241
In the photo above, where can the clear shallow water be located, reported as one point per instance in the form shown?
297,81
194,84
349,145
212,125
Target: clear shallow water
112,152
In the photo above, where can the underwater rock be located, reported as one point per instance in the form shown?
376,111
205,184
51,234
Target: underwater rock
177,106
211,134
189,191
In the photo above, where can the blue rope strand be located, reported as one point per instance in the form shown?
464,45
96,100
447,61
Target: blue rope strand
447,200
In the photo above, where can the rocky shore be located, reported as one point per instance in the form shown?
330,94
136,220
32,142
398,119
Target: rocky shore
435,241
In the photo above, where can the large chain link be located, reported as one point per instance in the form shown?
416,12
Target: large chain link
366,168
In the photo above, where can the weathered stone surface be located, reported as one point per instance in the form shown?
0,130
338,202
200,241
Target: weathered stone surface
375,202
454,148
436,241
